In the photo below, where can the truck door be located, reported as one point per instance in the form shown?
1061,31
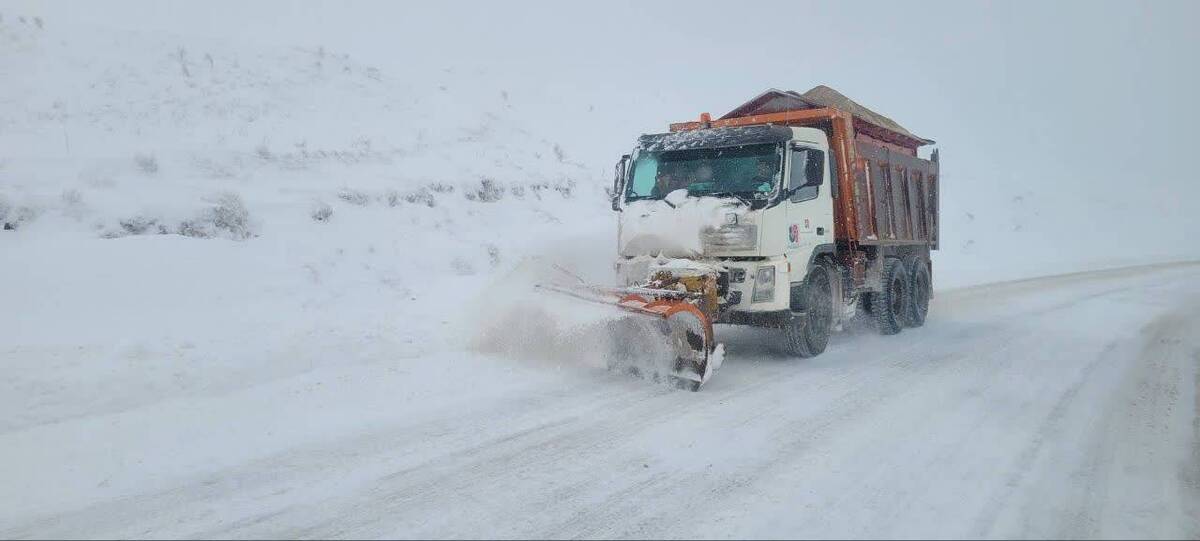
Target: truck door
810,205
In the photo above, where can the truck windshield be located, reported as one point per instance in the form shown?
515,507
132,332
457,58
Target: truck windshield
747,171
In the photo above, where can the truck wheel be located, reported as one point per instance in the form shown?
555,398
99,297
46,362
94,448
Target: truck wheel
918,306
807,332
891,304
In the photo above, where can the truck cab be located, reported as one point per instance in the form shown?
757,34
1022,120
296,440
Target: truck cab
758,200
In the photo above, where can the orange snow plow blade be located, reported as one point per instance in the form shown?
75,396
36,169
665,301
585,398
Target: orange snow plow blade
669,337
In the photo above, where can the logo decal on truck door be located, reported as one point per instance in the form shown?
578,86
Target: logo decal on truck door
794,235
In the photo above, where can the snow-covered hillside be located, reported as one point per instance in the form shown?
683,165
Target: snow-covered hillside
138,128
184,218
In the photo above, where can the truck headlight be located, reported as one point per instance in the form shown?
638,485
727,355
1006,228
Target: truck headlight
764,284
730,237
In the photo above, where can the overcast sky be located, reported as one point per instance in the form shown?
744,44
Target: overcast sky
1078,95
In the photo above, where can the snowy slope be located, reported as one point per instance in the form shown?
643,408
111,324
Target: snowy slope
189,219
106,115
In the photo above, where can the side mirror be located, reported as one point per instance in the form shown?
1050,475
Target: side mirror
619,181
803,193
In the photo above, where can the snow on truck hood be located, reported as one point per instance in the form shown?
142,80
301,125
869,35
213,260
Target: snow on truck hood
653,227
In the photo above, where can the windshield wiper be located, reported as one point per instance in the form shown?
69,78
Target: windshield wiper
746,201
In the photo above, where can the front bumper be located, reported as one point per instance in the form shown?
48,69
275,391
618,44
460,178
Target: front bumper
740,297
734,295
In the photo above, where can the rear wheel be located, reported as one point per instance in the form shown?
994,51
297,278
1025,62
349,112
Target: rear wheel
918,306
891,304
807,332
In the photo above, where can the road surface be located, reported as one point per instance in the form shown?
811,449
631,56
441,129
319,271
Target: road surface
1055,407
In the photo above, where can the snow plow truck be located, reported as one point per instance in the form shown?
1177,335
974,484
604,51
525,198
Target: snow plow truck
793,211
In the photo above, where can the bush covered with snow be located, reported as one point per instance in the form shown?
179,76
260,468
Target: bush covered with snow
13,218
321,212
226,216
488,191
354,197
5,209
146,163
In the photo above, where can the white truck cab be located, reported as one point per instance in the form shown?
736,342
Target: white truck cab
761,230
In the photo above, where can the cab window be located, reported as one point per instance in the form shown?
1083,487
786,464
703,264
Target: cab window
807,174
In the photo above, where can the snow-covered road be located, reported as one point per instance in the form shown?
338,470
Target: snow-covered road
1055,407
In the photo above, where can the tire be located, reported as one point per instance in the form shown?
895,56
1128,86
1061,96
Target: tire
806,334
891,304
919,290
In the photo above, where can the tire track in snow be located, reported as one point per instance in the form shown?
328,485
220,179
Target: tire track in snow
1021,466
612,457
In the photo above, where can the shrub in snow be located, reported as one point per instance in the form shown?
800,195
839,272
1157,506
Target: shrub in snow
139,225
321,212
353,197
11,217
181,56
393,198
263,152
72,203
146,163
361,145
565,188
194,229
230,216
462,267
441,187
72,197
226,217
421,196
493,252
487,192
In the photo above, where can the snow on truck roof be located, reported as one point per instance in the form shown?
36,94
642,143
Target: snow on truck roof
716,137
774,101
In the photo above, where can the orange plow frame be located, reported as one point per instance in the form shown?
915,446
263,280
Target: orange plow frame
673,307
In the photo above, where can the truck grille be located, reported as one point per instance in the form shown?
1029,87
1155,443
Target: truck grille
730,237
